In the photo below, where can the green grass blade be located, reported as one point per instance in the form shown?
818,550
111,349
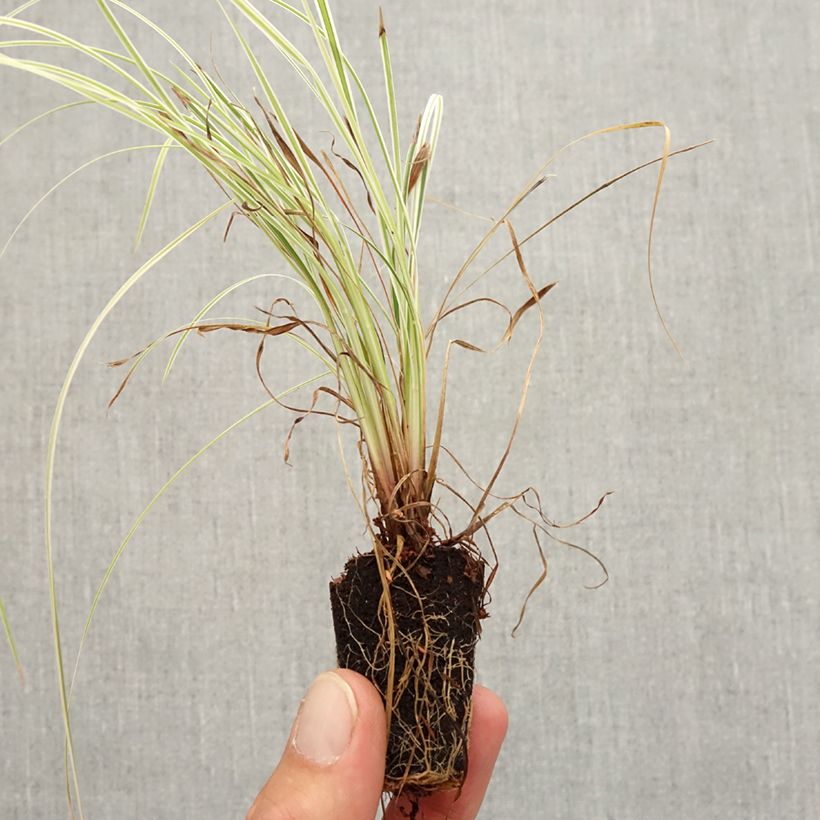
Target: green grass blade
22,8
152,189
147,509
49,479
332,38
10,639
98,55
390,89
65,179
135,54
41,116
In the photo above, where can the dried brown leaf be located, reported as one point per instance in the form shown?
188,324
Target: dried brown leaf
419,164
533,300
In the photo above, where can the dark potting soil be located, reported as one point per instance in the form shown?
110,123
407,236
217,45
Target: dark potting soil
436,605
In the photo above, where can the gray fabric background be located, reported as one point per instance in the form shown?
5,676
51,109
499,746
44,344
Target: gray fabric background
685,688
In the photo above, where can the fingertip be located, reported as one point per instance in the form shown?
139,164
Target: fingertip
490,712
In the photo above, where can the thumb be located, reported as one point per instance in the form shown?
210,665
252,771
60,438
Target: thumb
333,765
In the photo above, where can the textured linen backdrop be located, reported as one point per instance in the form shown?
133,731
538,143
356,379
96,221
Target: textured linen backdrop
686,687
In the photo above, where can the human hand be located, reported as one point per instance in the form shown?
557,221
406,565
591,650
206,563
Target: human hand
333,765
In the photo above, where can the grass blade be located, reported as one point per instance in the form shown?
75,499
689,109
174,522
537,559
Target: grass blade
4,618
41,116
162,490
65,179
49,478
152,189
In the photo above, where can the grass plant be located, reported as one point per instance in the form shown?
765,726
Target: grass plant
346,221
